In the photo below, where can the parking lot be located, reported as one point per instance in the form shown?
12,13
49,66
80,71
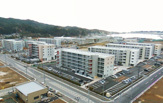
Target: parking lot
66,73
120,80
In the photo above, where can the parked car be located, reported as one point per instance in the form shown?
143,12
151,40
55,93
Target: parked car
133,78
50,68
114,76
146,70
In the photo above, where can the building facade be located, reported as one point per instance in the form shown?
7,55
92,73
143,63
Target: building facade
123,56
13,45
56,42
157,50
86,63
31,92
145,52
42,51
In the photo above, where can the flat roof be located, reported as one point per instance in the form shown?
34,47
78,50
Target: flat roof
115,48
29,88
76,51
140,43
124,45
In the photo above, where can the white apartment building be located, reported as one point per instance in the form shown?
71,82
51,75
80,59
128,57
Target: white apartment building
156,48
13,45
56,42
145,52
86,63
123,56
41,50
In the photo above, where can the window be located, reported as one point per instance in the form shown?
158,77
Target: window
36,97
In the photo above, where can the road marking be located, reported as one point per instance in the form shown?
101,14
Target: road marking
146,83
159,73
156,76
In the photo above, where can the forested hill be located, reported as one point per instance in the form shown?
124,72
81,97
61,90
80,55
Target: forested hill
35,29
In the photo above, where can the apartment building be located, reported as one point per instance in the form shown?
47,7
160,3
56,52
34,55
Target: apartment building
41,50
123,56
156,48
13,45
56,42
86,63
145,52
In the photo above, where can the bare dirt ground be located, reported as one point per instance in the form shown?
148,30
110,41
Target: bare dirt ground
85,47
153,95
155,42
9,78
58,101
1,64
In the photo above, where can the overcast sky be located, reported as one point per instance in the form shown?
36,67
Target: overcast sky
110,15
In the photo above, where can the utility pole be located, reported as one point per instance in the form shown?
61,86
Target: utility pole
88,95
138,71
26,69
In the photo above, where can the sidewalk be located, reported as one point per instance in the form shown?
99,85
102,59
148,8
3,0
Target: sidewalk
95,80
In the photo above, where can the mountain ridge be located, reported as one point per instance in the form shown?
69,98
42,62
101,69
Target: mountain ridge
33,28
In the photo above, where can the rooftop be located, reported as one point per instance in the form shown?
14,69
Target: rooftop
115,48
101,55
29,88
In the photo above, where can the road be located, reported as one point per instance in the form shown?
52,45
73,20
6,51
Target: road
78,95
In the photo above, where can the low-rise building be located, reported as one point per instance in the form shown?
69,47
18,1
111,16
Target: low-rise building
123,56
86,63
31,92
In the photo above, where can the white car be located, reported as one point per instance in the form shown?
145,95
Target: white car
50,68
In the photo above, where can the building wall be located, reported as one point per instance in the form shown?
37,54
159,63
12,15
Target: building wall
56,42
45,52
12,45
146,45
145,52
122,56
30,97
108,66
157,50
87,63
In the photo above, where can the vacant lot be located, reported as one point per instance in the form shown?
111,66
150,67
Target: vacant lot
9,78
1,64
58,101
153,95
85,47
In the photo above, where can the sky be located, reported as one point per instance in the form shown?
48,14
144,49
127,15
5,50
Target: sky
110,15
